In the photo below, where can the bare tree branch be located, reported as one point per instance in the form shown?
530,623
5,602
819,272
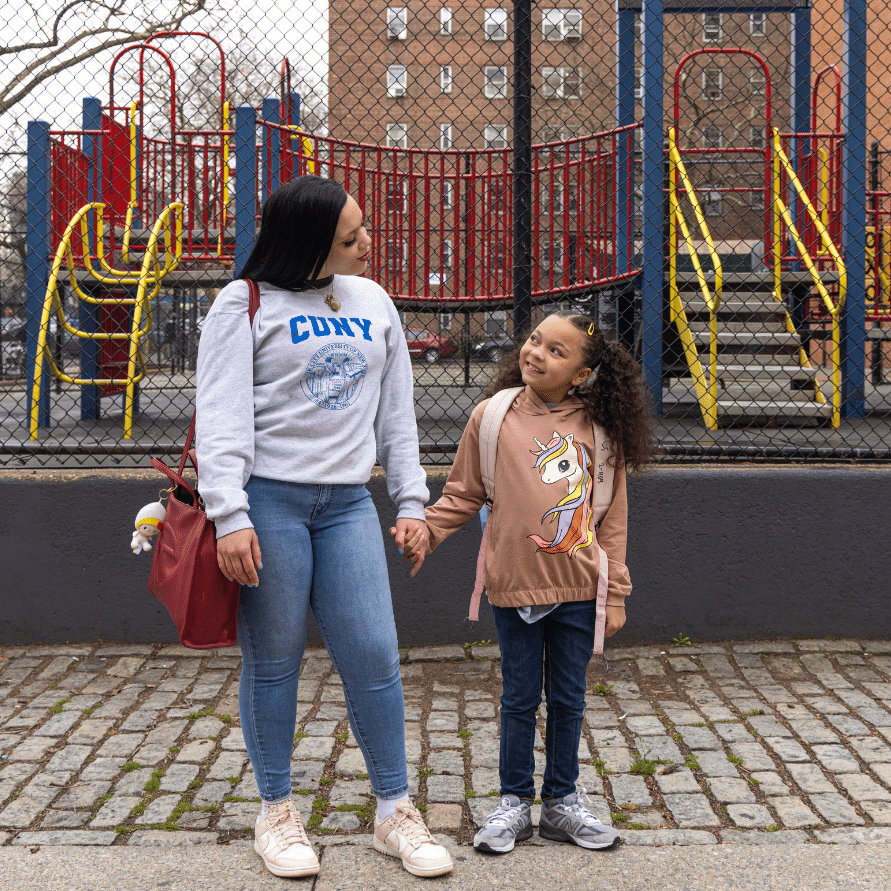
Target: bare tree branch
98,39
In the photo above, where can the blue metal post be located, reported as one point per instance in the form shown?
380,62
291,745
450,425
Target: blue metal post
37,259
801,99
271,142
295,109
653,247
245,184
853,327
90,409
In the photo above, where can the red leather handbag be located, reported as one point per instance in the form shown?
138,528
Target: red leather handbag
185,575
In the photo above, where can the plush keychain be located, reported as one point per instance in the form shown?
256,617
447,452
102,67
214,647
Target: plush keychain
148,522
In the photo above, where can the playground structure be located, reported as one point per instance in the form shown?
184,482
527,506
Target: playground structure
127,214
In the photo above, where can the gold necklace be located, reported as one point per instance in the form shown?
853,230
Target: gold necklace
334,304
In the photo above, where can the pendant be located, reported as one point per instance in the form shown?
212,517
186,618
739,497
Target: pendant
334,304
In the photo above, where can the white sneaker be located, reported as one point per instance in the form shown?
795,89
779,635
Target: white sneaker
406,836
281,841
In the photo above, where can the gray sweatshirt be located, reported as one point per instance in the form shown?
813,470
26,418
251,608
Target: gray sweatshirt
307,395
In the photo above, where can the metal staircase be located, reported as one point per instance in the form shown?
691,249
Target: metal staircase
764,377
735,336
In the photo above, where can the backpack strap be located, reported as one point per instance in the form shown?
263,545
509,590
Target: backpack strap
493,415
604,475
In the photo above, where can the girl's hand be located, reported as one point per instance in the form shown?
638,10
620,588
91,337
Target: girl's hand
412,538
615,619
238,556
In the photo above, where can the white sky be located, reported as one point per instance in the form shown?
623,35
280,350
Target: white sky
293,28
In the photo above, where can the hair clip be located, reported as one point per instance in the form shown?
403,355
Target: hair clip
591,329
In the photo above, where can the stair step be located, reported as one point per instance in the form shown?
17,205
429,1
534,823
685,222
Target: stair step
760,341
770,326
764,391
734,308
784,412
755,281
766,372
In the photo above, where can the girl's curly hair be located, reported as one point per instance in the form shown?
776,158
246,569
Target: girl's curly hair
615,396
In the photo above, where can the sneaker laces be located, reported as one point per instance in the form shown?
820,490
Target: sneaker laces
578,809
287,829
504,813
411,824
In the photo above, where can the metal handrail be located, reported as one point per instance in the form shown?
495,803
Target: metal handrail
150,275
706,390
782,164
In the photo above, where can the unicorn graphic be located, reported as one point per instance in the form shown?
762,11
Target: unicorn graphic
564,459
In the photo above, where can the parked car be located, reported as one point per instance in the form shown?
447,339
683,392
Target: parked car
427,346
491,350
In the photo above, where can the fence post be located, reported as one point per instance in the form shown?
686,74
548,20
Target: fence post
245,184
853,320
800,75
90,406
522,166
624,180
270,147
652,230
37,261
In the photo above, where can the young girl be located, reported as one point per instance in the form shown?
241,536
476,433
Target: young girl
542,564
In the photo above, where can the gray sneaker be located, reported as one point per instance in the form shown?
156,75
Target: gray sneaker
568,820
511,822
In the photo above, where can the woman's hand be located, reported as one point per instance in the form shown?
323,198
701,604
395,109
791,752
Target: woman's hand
238,556
412,538
615,619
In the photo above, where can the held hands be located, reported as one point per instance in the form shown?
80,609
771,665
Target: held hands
239,558
615,619
412,538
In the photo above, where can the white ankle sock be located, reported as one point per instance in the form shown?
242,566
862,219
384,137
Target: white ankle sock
268,807
386,807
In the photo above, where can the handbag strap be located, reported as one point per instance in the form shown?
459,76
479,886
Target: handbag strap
253,306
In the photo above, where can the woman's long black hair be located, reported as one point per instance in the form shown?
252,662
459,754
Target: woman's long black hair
297,229
616,398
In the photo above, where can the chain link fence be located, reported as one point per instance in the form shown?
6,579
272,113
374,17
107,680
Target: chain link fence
710,181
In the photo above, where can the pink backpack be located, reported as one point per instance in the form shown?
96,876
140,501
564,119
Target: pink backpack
604,473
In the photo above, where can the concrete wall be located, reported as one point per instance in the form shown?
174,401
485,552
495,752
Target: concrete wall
714,553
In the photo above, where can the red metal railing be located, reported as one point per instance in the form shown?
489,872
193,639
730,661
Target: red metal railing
442,220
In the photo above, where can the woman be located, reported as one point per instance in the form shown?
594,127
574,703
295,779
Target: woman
292,413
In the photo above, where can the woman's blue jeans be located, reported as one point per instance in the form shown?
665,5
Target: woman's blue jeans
560,645
323,549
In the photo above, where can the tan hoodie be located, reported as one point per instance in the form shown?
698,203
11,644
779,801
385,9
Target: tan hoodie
539,548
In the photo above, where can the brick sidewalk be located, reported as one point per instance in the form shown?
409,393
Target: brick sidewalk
746,742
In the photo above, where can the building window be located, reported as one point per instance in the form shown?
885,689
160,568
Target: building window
756,199
397,22
397,80
561,83
561,24
638,82
495,24
551,257
712,30
397,135
445,322
712,137
447,258
551,134
711,203
496,323
756,138
495,136
445,20
495,198
757,24
397,254
397,198
757,81
712,83
495,86
638,27
445,137
447,194
445,78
